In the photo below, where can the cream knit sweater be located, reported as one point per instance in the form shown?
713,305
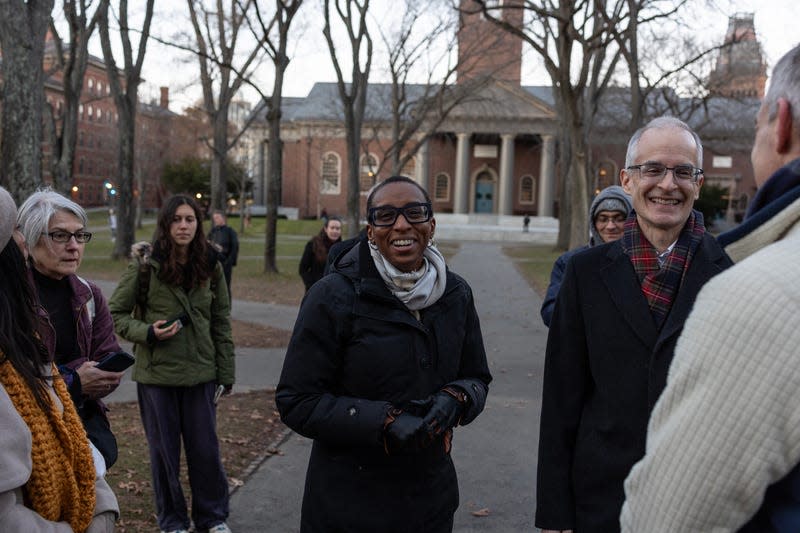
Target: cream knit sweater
728,424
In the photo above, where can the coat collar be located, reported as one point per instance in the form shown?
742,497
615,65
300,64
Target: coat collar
626,293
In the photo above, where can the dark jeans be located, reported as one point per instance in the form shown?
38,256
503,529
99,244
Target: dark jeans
169,413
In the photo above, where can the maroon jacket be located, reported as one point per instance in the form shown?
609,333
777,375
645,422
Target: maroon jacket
96,338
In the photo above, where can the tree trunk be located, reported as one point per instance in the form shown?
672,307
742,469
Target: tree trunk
126,212
274,182
23,26
219,182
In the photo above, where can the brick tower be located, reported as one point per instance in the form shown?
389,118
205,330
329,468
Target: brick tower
486,50
740,70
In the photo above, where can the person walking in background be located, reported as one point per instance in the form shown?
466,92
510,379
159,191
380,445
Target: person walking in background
50,477
618,315
225,242
112,224
723,446
607,216
75,323
386,358
315,254
177,312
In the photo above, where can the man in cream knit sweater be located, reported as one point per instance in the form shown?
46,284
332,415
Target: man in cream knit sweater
723,444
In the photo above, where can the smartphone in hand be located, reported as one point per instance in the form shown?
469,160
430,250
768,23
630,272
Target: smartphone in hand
116,362
182,320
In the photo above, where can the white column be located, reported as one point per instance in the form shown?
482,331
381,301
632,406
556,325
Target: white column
462,174
505,205
546,177
423,165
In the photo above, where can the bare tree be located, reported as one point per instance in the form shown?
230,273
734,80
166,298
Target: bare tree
23,26
62,126
217,35
125,95
273,33
422,44
564,32
352,14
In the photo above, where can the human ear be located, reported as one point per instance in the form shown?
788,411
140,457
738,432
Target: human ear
625,181
783,126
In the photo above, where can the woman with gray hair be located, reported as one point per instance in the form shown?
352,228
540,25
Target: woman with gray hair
75,323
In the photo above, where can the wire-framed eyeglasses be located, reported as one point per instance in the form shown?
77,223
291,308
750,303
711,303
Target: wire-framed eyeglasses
657,171
386,215
81,237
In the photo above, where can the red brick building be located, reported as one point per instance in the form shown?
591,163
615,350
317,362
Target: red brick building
495,154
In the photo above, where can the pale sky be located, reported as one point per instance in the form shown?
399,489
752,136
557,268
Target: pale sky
775,23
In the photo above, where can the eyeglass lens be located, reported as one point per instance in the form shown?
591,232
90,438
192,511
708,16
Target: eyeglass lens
387,215
603,220
657,171
64,236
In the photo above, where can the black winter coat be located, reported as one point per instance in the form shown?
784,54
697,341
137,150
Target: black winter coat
606,365
355,351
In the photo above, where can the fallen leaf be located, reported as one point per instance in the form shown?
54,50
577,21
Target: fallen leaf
481,512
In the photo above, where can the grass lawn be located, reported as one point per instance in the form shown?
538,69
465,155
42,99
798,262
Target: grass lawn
534,263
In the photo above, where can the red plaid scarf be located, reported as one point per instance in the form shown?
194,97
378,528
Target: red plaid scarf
660,284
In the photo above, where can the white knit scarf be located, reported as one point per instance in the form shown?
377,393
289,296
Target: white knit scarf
418,289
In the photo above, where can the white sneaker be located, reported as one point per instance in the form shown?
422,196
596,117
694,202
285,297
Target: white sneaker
176,531
220,528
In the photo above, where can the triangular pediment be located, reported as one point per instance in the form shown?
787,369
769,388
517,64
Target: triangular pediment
496,100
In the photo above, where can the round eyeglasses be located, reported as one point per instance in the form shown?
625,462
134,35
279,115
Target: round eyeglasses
657,171
386,215
81,237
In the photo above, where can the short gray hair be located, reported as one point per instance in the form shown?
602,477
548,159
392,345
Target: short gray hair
661,123
35,213
785,83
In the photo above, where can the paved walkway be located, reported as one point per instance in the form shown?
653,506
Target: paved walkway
495,456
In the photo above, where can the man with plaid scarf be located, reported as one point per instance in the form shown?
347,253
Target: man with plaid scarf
723,445
618,315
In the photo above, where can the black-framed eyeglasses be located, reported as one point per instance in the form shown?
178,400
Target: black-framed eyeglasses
62,236
657,171
386,215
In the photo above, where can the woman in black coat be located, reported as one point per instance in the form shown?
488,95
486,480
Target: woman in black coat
385,360
315,255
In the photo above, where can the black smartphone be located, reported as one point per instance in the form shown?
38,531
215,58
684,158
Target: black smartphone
182,320
116,362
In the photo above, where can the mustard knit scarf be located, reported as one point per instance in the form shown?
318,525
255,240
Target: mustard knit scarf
61,486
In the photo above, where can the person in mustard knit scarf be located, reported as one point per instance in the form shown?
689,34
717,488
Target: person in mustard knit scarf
48,479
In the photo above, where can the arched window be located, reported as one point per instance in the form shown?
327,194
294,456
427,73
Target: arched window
90,111
91,84
99,114
606,175
527,190
331,172
369,166
441,187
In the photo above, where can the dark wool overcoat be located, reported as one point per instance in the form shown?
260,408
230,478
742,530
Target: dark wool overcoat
606,365
355,351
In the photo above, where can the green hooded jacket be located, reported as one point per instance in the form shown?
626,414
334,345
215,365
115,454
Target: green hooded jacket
200,352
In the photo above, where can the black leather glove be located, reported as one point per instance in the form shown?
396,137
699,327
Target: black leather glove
403,432
446,410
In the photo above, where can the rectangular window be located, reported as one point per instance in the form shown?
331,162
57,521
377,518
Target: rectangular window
722,161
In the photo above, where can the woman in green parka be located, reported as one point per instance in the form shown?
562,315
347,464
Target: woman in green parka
176,311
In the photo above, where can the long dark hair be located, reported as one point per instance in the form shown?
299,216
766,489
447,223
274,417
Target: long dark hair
198,267
321,243
19,340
